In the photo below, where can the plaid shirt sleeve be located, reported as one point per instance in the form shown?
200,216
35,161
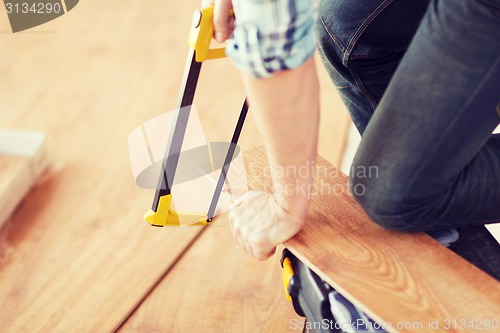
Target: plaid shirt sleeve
272,35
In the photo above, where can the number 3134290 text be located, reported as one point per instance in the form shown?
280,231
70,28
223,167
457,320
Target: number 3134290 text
33,8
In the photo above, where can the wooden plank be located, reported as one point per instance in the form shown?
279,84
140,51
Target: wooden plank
22,161
395,277
84,273
77,255
216,287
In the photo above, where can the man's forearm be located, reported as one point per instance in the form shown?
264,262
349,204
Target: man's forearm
286,109
268,38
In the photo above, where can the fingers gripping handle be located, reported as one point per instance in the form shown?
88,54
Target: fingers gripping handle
202,30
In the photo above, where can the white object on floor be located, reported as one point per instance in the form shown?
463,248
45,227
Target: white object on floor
22,161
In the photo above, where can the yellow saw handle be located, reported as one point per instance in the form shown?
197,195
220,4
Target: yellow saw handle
201,34
288,273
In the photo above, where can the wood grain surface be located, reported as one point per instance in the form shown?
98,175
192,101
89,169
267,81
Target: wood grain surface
400,279
216,287
76,255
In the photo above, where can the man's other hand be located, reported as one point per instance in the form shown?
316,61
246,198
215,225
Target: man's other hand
259,224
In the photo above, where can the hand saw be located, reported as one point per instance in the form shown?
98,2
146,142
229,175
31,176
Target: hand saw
162,213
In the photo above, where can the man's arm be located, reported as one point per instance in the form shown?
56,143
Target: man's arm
286,109
285,106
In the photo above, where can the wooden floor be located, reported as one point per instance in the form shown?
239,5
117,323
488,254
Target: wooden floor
76,255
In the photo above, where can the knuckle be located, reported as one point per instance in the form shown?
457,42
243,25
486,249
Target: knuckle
262,254
256,242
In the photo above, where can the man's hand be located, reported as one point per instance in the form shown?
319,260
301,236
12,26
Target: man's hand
223,21
259,224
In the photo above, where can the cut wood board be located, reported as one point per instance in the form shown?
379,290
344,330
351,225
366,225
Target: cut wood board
216,287
22,161
395,277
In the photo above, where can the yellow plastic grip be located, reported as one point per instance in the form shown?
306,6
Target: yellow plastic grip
202,30
166,217
288,272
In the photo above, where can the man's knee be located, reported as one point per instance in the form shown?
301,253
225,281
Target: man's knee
385,204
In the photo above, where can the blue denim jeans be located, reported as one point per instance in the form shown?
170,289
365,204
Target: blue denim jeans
421,80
